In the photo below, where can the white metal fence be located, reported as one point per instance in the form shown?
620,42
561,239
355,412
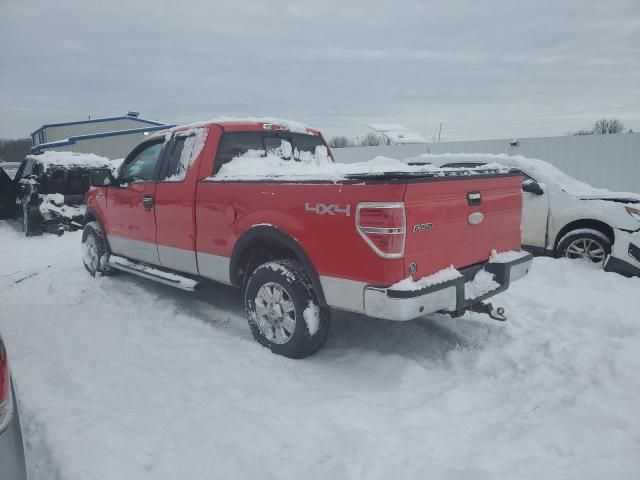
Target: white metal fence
607,161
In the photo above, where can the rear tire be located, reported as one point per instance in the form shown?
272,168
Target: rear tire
586,244
282,310
31,221
95,250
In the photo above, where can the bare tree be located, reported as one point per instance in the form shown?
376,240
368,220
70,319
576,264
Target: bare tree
340,141
370,140
14,150
584,131
604,126
607,126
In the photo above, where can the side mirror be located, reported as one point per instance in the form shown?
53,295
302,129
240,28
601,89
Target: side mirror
530,186
101,177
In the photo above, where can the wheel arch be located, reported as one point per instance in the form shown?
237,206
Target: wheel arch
262,243
598,225
91,215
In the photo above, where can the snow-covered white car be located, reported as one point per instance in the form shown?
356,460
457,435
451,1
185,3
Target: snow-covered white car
564,217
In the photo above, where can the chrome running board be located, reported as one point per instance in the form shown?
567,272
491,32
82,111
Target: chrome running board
153,273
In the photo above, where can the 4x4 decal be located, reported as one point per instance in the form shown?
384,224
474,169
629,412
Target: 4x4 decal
331,209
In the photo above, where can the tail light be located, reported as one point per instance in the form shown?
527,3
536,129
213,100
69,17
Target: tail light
382,226
6,402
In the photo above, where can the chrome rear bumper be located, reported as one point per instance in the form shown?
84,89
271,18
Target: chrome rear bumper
402,305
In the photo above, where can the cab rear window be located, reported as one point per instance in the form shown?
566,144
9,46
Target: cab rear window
464,165
305,143
235,144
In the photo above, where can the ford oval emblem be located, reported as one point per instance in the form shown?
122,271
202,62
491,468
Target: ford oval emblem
476,218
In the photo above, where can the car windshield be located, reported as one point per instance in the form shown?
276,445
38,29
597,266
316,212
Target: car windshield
550,174
72,181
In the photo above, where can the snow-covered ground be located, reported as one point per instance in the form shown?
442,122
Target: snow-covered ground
121,378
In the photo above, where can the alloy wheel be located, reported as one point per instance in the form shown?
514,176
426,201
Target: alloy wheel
275,313
586,249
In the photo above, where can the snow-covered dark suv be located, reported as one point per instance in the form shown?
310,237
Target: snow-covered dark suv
47,193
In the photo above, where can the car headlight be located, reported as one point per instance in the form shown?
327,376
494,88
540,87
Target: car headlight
634,212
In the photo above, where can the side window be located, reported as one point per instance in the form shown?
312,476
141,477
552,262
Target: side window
278,146
171,167
235,144
142,167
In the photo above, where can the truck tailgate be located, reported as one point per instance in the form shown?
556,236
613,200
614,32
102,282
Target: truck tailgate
459,221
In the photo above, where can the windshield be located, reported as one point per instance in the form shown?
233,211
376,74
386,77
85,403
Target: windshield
550,174
73,181
540,170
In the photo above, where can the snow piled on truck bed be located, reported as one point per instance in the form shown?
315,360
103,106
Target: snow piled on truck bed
441,276
256,165
121,378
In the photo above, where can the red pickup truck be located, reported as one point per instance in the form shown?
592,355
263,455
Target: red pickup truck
393,244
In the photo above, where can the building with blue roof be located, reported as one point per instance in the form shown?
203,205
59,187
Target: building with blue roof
111,137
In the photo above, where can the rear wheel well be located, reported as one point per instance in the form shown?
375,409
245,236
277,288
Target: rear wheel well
260,250
263,244
586,223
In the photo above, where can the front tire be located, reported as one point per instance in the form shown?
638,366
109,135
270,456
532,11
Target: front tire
282,310
95,250
585,244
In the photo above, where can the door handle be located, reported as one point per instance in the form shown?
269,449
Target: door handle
147,201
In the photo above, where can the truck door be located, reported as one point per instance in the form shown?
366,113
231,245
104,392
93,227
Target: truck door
174,197
131,225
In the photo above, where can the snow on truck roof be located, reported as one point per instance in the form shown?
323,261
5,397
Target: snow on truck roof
71,160
267,123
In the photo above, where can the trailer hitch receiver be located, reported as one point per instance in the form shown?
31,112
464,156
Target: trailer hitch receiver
497,313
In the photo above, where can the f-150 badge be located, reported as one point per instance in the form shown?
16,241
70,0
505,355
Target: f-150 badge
422,227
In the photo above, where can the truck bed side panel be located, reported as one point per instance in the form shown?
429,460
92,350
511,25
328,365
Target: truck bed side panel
305,212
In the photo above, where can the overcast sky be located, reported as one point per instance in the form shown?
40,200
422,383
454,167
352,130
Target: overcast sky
487,69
